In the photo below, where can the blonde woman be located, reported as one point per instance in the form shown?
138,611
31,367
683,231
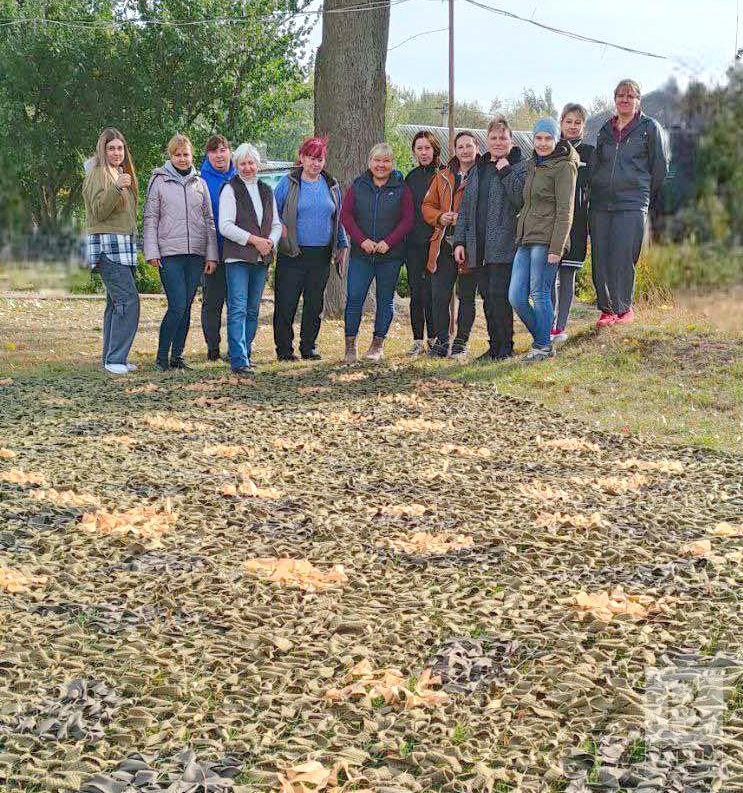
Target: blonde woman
110,191
181,241
250,224
378,214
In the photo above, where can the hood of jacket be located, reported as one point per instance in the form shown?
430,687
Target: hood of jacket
168,171
213,176
563,151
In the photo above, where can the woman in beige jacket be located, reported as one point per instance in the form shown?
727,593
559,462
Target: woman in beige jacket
180,239
110,194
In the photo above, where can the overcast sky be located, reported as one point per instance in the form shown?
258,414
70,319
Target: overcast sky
496,56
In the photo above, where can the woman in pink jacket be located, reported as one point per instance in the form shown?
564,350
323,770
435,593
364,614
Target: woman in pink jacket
181,241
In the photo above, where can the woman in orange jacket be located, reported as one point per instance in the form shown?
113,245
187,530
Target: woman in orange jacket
439,209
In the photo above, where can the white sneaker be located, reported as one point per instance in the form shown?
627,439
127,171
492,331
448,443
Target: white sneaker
116,368
559,338
418,348
132,367
460,356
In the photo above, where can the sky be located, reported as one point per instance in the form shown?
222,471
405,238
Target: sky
499,57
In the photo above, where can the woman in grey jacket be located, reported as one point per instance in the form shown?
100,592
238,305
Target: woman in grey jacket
181,241
627,170
484,241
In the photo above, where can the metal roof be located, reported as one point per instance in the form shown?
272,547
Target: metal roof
521,138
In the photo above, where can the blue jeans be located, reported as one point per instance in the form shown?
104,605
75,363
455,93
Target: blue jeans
245,284
180,276
121,316
361,271
533,277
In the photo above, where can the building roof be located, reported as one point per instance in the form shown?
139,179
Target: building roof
522,139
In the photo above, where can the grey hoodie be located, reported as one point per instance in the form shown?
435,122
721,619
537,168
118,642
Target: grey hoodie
178,215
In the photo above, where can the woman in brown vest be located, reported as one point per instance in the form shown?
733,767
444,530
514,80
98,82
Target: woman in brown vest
250,224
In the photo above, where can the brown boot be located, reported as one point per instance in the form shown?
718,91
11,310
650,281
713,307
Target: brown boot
376,350
351,354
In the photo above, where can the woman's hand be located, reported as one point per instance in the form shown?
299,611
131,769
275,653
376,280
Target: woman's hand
553,258
262,244
123,181
368,246
210,267
459,254
153,262
448,218
502,163
381,247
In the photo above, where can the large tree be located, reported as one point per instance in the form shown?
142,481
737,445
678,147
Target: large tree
350,84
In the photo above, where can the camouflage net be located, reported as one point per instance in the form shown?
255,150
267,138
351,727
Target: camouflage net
333,579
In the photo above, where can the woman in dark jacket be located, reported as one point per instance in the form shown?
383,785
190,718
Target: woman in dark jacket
377,213
627,172
427,152
543,233
309,202
572,127
484,241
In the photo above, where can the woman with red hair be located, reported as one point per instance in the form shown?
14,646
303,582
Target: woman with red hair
309,203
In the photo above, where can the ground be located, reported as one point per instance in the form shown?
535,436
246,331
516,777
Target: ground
539,538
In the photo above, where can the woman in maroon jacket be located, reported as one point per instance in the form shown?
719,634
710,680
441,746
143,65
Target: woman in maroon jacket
377,214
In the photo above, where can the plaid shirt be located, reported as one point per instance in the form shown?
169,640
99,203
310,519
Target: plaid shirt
120,248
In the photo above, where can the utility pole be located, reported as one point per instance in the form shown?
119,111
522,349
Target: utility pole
451,77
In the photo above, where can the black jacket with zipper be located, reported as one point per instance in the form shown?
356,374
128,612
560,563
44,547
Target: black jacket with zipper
628,175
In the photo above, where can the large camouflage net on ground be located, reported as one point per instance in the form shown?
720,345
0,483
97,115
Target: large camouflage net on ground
384,581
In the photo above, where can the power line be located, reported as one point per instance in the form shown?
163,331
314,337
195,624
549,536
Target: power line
568,33
95,23
417,35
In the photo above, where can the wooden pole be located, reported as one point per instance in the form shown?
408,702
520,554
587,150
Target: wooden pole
451,77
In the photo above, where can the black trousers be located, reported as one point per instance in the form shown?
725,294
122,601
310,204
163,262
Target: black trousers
214,293
419,282
492,282
442,288
302,276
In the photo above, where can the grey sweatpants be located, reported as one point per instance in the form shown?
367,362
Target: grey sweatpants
121,316
616,242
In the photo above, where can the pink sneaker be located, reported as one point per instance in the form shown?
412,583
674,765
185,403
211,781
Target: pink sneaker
606,319
627,318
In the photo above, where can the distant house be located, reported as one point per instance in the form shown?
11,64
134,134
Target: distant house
522,139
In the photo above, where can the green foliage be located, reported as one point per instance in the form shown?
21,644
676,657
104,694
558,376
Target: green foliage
147,80
146,277
85,282
403,287
664,269
717,215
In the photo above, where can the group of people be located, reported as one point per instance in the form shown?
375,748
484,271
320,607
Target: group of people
513,229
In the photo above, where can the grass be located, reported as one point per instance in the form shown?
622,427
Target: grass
674,375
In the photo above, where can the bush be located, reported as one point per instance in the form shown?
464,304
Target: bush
665,269
146,277
403,288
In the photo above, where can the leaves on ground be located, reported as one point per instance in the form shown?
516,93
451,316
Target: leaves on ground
662,466
468,452
16,582
605,606
67,498
422,542
364,682
568,444
145,523
15,476
296,572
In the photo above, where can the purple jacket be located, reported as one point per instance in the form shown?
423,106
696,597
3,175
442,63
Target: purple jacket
178,216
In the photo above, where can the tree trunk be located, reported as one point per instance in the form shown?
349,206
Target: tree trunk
350,93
